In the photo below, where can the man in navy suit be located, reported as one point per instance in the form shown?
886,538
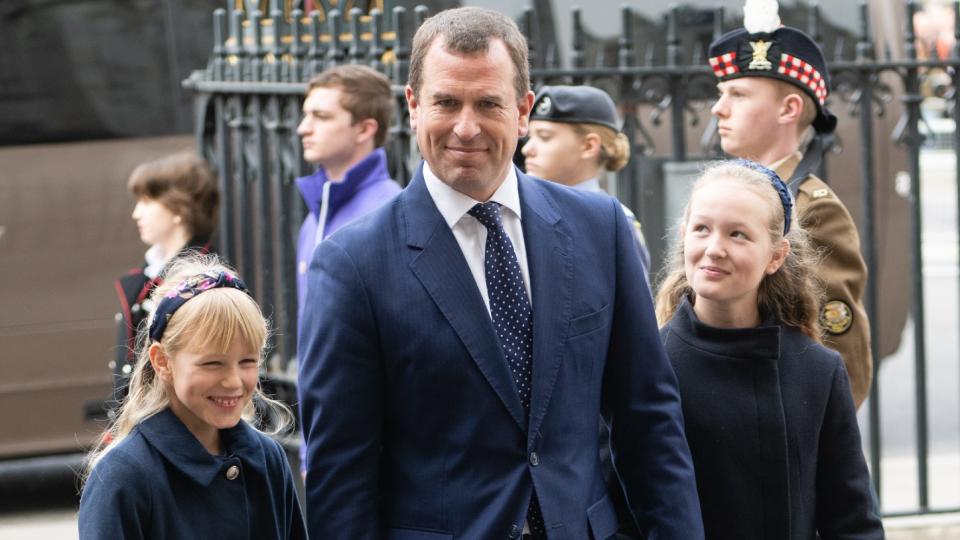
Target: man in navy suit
459,343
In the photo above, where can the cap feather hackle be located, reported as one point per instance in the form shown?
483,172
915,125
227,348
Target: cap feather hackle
761,16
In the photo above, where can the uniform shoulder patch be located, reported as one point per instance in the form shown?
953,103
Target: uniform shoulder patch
820,193
836,317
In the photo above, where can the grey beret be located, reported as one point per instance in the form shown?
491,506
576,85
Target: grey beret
575,105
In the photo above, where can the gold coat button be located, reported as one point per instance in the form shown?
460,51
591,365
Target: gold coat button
232,472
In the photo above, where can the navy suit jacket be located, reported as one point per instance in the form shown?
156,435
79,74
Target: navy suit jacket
414,427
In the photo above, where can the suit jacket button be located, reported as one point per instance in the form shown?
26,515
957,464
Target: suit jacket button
534,459
232,472
514,531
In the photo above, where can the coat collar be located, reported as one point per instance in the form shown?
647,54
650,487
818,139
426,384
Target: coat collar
759,343
443,271
787,165
372,168
165,432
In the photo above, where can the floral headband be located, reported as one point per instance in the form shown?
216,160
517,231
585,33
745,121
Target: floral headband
186,290
785,198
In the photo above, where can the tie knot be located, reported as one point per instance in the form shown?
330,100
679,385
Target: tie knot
487,213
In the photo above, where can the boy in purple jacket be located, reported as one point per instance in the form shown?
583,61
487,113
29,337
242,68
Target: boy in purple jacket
346,116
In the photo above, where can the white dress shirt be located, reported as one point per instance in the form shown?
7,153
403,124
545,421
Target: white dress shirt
471,235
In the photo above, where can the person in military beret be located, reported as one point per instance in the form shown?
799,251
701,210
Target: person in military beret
773,85
574,139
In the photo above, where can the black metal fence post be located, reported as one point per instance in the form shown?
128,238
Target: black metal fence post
912,99
865,55
677,94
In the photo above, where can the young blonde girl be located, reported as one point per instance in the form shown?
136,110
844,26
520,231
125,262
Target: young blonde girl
768,412
182,459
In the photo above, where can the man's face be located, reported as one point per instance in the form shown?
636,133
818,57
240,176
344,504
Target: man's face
327,131
468,118
747,114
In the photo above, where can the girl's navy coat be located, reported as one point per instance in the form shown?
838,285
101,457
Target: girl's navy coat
160,482
773,432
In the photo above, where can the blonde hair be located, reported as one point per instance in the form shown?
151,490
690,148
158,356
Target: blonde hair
212,320
614,146
791,294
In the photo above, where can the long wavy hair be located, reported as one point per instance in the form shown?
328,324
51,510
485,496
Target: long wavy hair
210,321
792,294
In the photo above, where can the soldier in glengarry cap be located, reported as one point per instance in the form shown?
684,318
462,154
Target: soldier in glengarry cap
773,85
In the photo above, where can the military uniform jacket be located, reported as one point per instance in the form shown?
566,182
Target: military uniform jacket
160,482
773,433
842,272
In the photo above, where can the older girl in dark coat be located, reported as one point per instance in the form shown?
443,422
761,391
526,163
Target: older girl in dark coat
768,410
181,459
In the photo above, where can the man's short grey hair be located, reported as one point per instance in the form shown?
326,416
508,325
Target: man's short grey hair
469,30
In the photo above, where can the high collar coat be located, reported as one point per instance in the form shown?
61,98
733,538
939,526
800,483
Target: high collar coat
160,482
773,433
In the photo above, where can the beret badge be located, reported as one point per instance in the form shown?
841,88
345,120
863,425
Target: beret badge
758,59
544,107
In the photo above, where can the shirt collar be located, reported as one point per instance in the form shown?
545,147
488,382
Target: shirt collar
165,432
592,185
786,165
453,205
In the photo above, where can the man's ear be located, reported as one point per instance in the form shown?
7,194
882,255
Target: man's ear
524,106
791,109
368,130
413,106
160,362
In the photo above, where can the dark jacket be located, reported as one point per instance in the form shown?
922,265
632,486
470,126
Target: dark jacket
773,433
132,291
440,446
160,482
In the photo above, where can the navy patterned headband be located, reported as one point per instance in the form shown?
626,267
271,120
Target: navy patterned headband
186,290
785,198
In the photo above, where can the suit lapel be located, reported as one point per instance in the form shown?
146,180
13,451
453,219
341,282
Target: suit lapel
442,269
551,285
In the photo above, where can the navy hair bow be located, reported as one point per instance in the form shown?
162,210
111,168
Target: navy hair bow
785,198
186,290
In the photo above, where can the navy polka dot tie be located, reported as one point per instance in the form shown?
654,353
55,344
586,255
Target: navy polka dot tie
512,319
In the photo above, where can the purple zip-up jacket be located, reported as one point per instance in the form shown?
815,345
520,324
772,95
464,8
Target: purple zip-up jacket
365,187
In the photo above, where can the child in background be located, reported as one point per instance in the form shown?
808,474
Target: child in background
175,212
183,461
768,411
